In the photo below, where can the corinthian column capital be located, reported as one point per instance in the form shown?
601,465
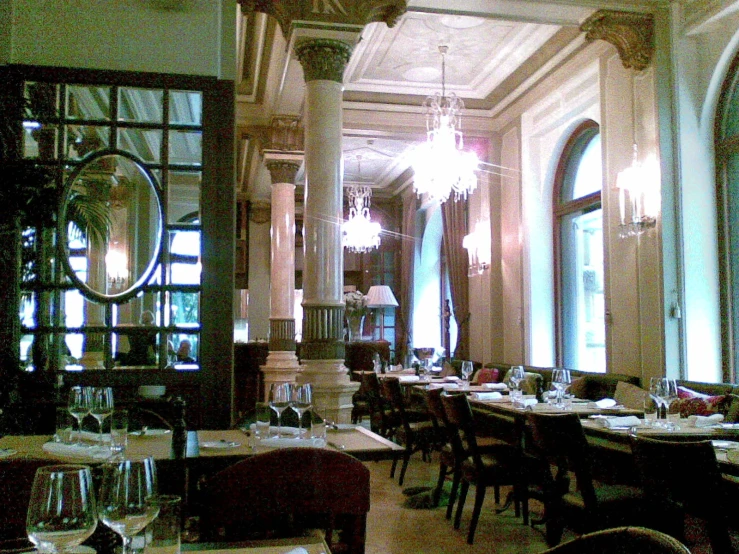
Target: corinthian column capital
631,33
323,59
282,171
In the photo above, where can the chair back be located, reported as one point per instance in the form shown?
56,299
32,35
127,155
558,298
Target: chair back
286,491
560,439
461,423
622,539
16,480
393,392
683,474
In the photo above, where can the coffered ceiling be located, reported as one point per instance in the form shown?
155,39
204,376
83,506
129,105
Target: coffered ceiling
496,50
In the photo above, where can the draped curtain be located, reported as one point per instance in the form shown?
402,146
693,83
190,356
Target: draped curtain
454,218
407,253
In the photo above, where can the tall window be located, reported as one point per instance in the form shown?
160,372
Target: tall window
579,253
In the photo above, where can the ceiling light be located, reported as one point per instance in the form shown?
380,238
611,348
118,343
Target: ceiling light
359,233
441,165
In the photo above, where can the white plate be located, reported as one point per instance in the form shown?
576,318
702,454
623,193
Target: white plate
7,452
150,433
220,445
725,445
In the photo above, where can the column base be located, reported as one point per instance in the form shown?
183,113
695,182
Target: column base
282,366
332,388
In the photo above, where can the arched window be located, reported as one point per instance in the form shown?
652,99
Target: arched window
578,244
727,178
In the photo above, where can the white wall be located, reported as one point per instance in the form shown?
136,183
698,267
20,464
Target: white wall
129,35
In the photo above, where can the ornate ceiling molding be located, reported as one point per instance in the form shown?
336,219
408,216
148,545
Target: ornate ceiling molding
631,33
352,12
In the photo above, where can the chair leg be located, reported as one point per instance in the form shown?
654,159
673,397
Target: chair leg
496,489
439,484
392,468
406,459
479,498
453,494
460,506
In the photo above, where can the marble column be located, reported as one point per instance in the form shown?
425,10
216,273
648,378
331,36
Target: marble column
282,364
322,347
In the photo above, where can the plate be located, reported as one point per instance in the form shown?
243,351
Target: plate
220,445
150,433
7,452
725,445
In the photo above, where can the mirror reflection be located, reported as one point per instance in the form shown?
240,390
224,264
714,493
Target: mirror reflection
113,219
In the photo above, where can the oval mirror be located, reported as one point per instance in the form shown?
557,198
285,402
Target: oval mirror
111,222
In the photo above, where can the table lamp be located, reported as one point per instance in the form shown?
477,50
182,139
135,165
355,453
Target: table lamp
380,296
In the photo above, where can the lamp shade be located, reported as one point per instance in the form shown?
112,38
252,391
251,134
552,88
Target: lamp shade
380,296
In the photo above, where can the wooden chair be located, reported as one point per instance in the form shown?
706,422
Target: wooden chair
495,467
416,430
559,439
620,540
447,461
381,417
681,477
285,492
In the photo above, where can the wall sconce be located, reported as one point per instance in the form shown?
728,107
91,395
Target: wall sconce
638,196
478,245
116,266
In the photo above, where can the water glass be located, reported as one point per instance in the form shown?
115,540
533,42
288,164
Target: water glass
64,426
651,410
517,399
164,531
119,431
467,370
317,427
262,422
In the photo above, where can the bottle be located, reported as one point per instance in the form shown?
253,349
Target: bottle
179,431
540,390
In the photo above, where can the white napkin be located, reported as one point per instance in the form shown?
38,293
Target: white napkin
409,378
704,421
602,404
486,395
298,550
527,402
495,386
611,422
74,451
451,378
288,442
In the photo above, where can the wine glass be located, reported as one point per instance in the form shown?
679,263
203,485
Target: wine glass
561,379
78,404
302,400
668,394
101,405
655,392
280,395
61,512
128,494
516,376
467,370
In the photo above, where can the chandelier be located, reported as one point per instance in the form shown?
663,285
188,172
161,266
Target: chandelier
359,233
638,196
441,165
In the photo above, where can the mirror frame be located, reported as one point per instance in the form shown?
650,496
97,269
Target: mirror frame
62,231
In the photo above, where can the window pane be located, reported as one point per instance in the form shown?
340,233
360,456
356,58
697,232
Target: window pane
39,140
145,143
185,107
589,176
80,140
185,147
140,105
583,302
88,102
183,196
184,252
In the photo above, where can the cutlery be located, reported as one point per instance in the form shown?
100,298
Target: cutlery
336,445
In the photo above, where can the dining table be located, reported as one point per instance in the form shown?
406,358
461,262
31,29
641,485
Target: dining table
302,545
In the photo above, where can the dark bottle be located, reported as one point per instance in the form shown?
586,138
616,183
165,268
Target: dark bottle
179,431
540,390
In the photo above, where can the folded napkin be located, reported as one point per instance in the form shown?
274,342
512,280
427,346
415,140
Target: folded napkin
704,421
527,402
602,404
495,386
486,395
298,550
288,442
409,378
90,436
611,422
74,451
451,378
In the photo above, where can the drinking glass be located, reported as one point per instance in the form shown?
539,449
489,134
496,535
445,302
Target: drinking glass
517,375
101,405
61,512
127,501
302,400
78,404
561,379
668,393
467,370
280,395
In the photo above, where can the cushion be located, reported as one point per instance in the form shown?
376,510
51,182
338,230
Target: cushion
692,402
486,375
630,396
529,384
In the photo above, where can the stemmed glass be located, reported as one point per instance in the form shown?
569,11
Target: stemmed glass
101,405
280,395
128,494
467,370
655,392
561,379
302,400
668,394
78,404
61,512
517,375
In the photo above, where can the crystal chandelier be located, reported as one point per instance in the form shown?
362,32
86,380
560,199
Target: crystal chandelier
359,233
441,165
